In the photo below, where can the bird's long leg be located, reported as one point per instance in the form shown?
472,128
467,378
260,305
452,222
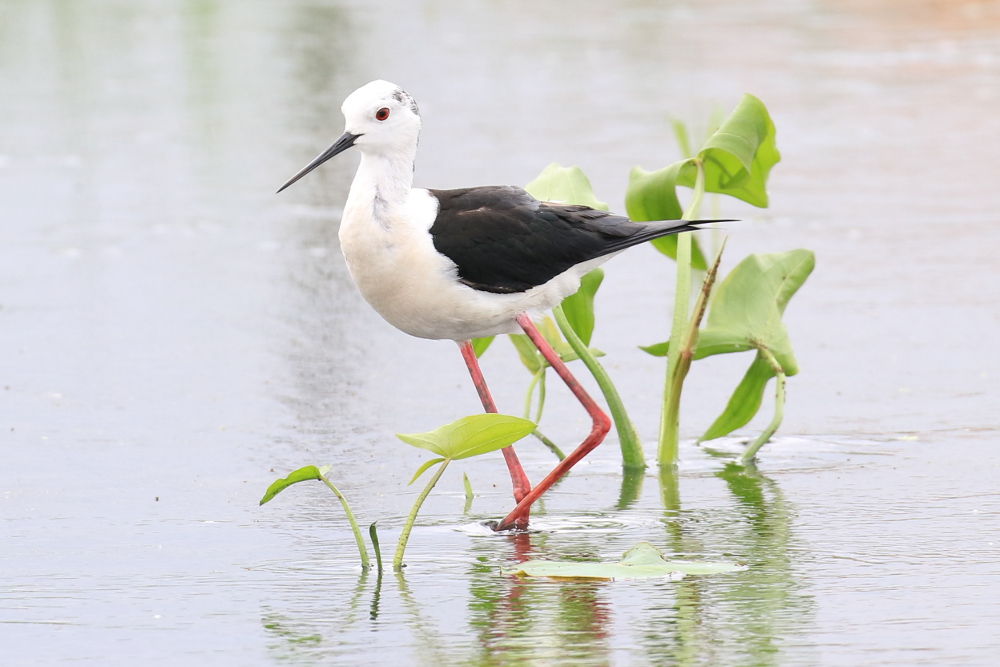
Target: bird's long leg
522,486
602,424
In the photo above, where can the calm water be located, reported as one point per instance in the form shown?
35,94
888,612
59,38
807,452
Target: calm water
174,335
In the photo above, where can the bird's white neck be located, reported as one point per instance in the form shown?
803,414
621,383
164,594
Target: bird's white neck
383,181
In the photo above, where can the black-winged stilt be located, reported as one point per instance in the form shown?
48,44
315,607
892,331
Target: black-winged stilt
459,264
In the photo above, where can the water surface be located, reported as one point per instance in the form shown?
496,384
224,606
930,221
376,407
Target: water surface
175,336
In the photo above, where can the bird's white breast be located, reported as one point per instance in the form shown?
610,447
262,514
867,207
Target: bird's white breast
391,257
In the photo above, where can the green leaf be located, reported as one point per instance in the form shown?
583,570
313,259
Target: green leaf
528,353
652,195
423,468
579,307
373,534
565,185
709,342
640,562
738,157
300,475
533,359
745,401
468,487
747,306
656,349
471,436
479,345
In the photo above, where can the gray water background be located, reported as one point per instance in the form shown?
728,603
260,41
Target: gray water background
173,336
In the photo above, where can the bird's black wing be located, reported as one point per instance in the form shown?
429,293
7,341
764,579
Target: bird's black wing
504,240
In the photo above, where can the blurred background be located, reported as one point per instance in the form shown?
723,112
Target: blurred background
172,333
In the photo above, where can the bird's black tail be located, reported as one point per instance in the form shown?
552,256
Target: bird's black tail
640,232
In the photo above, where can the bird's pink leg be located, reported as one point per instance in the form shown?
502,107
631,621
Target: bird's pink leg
522,486
602,424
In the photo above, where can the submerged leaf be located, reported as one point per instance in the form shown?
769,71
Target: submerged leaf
640,562
471,436
301,475
565,185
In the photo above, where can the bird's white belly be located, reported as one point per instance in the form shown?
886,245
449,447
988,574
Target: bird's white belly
416,289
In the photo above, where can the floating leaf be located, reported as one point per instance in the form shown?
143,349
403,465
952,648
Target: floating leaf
579,307
300,475
640,562
565,185
471,436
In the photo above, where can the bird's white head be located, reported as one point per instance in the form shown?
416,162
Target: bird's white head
384,118
380,119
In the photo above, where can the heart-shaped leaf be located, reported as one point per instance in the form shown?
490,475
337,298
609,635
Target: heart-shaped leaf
301,475
642,561
471,436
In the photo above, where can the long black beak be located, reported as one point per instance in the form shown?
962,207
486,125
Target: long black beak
345,141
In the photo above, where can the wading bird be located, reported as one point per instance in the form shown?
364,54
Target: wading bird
459,264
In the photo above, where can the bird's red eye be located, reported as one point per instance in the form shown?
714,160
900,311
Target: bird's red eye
382,113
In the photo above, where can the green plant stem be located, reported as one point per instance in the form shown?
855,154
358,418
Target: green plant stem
397,561
669,444
779,408
530,394
631,445
553,447
362,549
538,380
541,396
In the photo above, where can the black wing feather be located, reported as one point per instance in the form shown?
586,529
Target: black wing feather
504,240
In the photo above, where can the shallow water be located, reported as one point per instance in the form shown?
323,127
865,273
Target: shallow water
176,336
